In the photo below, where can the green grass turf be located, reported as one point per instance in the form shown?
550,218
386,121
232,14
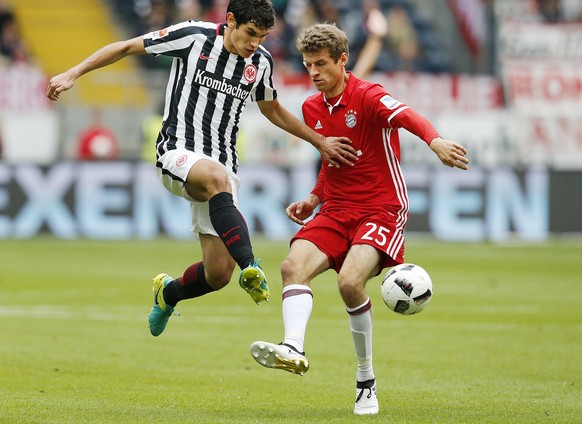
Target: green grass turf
501,341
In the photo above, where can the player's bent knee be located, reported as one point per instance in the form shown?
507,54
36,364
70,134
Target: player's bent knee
206,181
289,270
216,180
218,279
348,289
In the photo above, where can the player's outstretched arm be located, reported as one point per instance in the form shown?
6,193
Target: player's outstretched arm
335,151
298,212
102,57
450,153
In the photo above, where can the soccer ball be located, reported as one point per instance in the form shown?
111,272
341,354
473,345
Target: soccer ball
407,289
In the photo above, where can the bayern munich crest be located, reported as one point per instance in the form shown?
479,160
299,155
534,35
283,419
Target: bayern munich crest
351,119
250,72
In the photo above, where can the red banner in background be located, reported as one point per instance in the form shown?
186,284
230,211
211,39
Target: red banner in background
427,93
29,128
22,89
541,67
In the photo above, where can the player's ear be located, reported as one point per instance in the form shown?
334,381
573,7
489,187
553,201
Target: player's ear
343,60
230,20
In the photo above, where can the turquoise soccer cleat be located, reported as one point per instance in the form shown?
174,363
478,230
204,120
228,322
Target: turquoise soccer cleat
252,280
160,313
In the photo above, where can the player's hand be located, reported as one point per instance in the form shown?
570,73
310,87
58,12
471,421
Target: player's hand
299,211
58,84
336,151
450,153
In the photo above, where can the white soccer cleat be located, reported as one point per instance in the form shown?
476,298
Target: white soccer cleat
366,400
279,356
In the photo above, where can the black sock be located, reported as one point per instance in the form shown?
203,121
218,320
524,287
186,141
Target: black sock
231,228
174,291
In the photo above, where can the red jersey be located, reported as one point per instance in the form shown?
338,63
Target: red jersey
370,117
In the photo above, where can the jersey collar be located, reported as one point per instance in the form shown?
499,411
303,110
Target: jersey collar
344,96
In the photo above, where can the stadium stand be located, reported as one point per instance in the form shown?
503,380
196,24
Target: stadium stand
60,35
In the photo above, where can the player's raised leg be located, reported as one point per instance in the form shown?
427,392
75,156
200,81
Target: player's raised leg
233,231
210,181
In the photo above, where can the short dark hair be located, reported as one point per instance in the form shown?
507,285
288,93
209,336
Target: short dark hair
259,12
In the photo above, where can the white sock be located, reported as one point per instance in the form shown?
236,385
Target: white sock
361,325
297,306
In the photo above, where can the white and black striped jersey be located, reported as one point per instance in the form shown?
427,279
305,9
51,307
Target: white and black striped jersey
207,89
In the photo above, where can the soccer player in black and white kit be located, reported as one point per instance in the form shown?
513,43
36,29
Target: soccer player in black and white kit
216,69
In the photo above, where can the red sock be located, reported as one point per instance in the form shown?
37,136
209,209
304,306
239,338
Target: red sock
192,284
191,274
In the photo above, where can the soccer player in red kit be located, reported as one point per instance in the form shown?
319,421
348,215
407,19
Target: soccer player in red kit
358,230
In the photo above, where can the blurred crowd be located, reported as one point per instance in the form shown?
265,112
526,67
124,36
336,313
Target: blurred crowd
406,37
409,40
13,47
540,11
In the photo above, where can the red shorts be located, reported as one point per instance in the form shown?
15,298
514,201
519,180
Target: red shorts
335,232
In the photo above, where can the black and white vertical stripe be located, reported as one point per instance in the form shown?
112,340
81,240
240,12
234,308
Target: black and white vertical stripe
207,89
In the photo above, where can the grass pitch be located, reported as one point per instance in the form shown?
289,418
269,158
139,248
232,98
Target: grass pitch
501,341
